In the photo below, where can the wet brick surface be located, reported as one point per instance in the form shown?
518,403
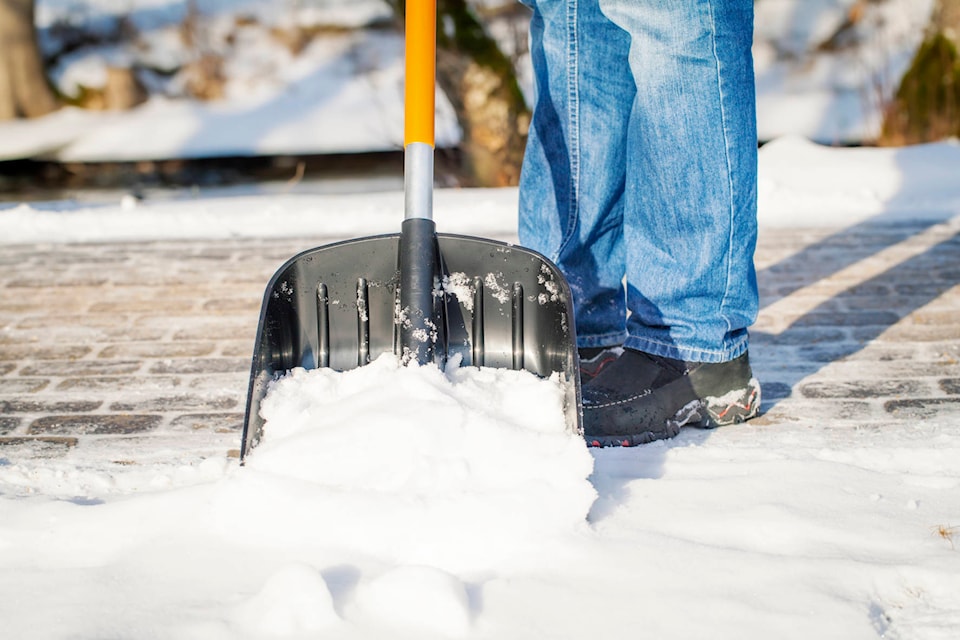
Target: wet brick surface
859,328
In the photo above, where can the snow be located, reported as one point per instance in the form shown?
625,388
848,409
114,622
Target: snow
889,184
395,501
908,183
817,80
409,502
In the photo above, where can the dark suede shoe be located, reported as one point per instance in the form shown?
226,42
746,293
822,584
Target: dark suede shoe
594,359
639,398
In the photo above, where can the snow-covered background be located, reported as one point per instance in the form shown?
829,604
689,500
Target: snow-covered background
820,74
394,502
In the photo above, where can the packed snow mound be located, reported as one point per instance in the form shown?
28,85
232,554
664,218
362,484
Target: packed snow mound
803,183
456,469
294,600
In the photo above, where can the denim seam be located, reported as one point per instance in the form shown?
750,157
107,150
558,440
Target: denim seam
602,340
573,123
675,347
730,181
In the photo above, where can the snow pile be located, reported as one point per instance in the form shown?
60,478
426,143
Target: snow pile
264,213
377,500
458,470
801,183
906,183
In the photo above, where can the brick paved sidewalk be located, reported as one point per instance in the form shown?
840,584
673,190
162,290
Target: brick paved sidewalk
860,328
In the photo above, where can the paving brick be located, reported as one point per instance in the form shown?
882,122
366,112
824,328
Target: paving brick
94,424
42,352
47,281
230,380
237,348
848,319
851,410
923,408
774,390
922,287
912,368
798,336
12,386
862,388
40,447
152,305
120,383
81,368
869,290
46,406
78,335
869,303
950,386
919,333
934,317
157,350
8,424
201,366
68,255
217,327
175,403
6,367
60,320
214,422
828,351
35,305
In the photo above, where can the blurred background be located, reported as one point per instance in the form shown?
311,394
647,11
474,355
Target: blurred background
145,95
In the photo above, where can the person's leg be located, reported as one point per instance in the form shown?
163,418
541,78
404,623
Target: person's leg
572,183
689,225
690,203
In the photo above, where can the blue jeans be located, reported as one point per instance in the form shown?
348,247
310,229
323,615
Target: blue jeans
640,174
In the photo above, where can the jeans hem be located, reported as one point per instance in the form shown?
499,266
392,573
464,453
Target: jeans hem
726,353
603,340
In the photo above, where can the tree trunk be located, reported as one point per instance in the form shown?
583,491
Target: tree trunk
24,91
926,106
481,84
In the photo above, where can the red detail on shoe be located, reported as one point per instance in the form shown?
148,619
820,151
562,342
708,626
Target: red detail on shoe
746,407
625,443
593,369
594,443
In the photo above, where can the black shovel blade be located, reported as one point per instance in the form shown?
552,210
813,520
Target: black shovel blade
337,306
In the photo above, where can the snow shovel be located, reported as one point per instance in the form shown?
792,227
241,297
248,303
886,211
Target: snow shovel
428,298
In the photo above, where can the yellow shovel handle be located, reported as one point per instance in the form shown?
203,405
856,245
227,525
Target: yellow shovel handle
421,68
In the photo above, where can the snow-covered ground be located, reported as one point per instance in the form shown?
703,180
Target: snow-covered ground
411,503
343,91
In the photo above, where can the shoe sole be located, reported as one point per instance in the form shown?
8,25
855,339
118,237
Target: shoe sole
735,407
